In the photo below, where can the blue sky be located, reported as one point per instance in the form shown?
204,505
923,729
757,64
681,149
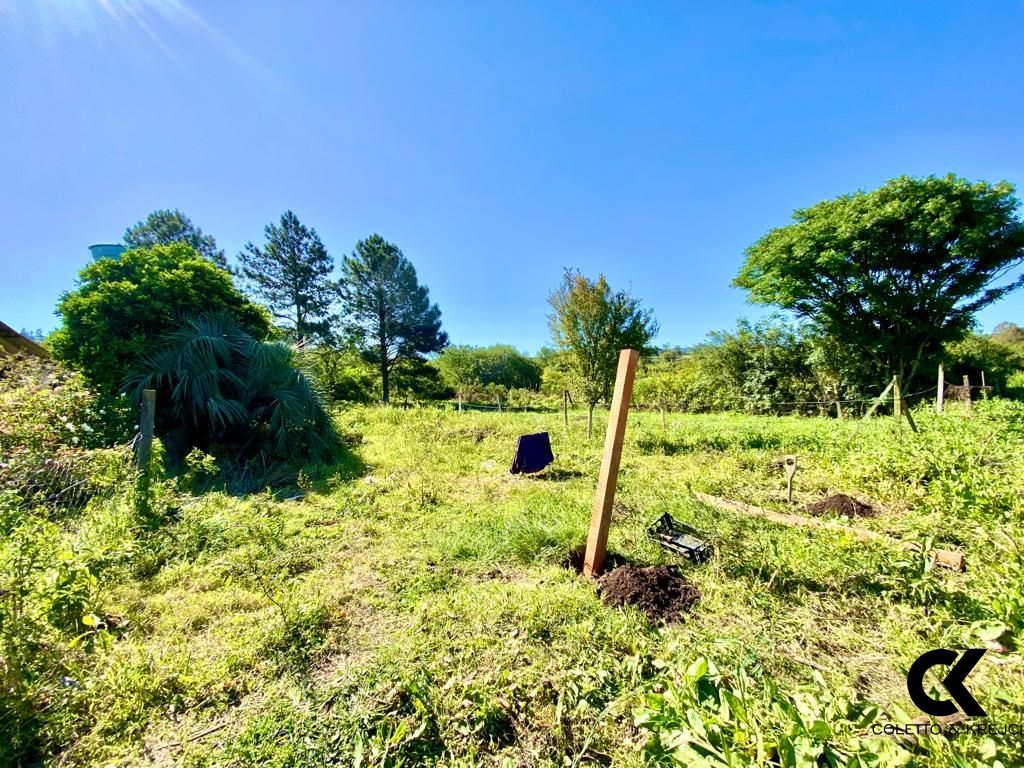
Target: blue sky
495,143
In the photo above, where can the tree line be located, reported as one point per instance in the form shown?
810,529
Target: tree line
377,305
869,285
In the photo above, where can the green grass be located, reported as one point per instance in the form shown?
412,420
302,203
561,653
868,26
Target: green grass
412,609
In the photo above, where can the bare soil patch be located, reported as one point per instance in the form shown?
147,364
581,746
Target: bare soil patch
660,591
841,504
574,560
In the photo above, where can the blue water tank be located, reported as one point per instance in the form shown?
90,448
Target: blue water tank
106,251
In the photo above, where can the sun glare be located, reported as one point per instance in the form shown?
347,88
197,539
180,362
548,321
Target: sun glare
160,22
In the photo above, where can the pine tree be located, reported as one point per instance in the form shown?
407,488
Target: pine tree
291,274
165,227
389,313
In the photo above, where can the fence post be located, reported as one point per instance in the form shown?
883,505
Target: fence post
499,403
984,390
940,395
897,401
967,391
147,419
565,407
460,402
600,519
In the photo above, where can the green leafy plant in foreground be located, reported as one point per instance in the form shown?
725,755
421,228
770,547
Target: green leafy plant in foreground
706,718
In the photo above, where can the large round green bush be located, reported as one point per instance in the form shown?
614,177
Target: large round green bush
122,308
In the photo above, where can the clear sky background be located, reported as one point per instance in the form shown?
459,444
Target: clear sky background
494,142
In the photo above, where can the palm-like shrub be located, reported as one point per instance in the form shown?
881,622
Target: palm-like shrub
221,390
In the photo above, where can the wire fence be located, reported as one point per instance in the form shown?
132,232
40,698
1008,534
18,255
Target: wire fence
846,407
68,478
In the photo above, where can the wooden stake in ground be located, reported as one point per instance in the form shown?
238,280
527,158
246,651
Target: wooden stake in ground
601,517
565,407
900,408
790,462
147,419
967,391
897,401
940,395
984,389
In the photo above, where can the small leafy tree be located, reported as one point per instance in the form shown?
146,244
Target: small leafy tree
292,275
388,312
591,323
895,273
122,308
166,227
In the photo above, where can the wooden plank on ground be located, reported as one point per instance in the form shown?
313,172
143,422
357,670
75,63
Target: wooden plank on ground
944,557
601,516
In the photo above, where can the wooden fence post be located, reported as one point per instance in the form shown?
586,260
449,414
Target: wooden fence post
967,391
499,403
460,402
984,390
940,395
897,401
147,420
790,464
601,516
565,407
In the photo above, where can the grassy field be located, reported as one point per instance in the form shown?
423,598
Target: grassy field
413,608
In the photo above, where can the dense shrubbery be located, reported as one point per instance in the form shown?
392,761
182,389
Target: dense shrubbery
123,307
62,459
483,373
225,392
51,429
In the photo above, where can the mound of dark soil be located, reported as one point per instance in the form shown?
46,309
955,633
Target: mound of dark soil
660,591
841,504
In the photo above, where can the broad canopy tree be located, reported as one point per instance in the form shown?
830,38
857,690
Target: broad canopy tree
894,273
291,274
122,308
388,313
166,227
590,324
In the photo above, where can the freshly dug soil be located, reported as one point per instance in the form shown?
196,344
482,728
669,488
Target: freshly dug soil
574,560
841,504
660,591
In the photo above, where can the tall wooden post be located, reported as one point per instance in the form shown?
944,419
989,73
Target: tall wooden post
790,464
984,389
499,403
147,419
940,394
460,402
601,516
967,391
565,407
